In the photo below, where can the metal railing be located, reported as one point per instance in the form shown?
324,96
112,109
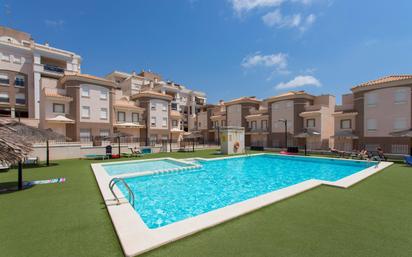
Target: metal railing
113,182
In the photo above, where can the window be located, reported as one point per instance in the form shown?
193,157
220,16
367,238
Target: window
401,95
164,108
4,79
4,97
153,121
174,123
253,124
85,135
121,116
371,125
85,112
153,107
223,122
20,98
85,91
103,113
104,133
400,124
5,58
16,59
58,108
371,99
199,125
310,123
264,124
346,124
135,86
164,122
19,81
174,106
135,117
289,104
103,94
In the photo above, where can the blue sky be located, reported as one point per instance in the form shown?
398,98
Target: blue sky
229,48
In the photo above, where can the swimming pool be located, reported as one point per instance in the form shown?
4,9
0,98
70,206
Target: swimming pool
163,199
147,166
172,205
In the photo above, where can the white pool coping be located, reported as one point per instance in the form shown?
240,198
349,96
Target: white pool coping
136,238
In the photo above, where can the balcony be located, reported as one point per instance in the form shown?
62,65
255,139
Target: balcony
57,94
316,107
344,107
257,130
53,68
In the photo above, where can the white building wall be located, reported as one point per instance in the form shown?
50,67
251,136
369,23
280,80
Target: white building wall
234,115
95,103
282,110
160,112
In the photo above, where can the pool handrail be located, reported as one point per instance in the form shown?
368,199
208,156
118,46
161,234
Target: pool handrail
113,182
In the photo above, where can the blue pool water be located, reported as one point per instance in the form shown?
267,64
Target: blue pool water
140,166
166,198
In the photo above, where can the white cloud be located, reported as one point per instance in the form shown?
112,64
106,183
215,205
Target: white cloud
310,19
299,81
54,23
276,19
278,61
246,5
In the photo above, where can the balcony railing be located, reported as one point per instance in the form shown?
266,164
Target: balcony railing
344,107
256,130
53,68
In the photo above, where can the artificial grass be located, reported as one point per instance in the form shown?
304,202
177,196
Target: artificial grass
373,218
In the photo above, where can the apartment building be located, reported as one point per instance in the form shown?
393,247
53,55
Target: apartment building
383,108
78,106
23,64
184,101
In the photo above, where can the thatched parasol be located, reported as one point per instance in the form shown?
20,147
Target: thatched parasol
13,147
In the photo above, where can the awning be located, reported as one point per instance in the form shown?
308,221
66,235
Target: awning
193,134
403,133
307,133
128,125
345,134
60,119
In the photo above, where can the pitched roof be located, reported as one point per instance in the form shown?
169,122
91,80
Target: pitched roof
290,95
383,80
151,94
87,78
244,99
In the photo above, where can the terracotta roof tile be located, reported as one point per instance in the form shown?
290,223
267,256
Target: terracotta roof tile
383,80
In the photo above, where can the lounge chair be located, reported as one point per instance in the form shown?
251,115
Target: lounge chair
408,160
31,161
96,156
4,167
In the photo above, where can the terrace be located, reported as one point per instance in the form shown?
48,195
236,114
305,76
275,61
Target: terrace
371,218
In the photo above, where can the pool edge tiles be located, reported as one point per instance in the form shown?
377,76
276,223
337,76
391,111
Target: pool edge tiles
136,238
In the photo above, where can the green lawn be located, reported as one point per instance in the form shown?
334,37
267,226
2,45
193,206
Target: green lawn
373,218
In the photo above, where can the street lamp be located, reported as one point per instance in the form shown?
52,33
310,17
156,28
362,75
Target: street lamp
285,121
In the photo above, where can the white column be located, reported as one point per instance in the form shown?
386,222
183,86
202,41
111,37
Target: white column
37,89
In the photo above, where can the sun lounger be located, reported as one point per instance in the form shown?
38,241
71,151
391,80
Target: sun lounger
96,156
408,160
31,161
4,167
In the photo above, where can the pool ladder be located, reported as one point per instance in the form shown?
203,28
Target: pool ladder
113,182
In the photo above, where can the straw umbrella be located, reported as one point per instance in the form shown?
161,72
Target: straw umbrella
13,149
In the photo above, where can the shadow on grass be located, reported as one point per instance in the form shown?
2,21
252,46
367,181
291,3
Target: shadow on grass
11,187
35,166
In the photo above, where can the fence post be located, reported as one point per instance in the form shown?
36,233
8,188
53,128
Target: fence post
47,153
